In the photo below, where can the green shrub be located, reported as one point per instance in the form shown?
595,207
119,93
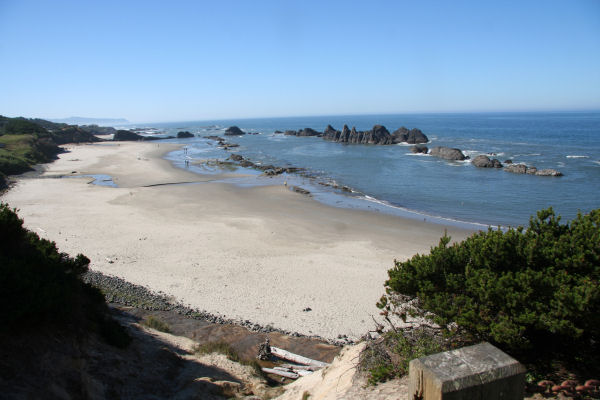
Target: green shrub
530,291
36,280
389,356
41,286
11,165
18,126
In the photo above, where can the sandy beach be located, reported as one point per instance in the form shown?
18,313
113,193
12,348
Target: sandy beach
262,254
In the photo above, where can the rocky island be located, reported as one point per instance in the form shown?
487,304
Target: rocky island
377,135
234,131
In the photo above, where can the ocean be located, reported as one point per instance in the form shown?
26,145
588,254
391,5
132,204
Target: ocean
390,179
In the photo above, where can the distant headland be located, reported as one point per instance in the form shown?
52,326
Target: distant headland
88,121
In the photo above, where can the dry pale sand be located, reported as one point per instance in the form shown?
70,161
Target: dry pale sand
342,380
262,254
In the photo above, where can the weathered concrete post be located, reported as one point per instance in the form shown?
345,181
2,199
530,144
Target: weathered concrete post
470,373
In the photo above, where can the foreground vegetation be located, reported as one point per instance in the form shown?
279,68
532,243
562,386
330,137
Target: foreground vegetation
532,292
224,348
155,323
41,287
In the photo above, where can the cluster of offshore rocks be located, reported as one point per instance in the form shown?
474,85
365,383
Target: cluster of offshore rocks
222,143
381,136
378,135
268,169
235,131
483,161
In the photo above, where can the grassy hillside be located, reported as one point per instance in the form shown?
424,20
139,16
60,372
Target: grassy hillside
26,142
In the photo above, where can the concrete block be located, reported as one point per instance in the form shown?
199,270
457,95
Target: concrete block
470,373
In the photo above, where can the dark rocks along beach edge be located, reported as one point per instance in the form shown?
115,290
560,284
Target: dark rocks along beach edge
121,292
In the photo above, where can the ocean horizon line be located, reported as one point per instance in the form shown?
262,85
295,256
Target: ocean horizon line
383,114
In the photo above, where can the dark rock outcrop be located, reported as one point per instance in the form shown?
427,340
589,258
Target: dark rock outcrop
419,149
300,190
269,170
123,135
73,134
413,136
520,169
184,134
448,153
304,132
483,161
234,131
329,131
530,170
332,134
274,171
378,135
548,172
516,168
129,136
309,132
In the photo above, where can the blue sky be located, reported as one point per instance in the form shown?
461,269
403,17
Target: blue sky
191,60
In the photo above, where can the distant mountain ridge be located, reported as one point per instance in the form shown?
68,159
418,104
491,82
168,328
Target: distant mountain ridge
87,121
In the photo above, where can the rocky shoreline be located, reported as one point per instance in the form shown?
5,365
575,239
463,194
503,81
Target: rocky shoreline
119,291
379,135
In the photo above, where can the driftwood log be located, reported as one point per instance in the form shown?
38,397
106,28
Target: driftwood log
286,355
301,372
300,367
286,374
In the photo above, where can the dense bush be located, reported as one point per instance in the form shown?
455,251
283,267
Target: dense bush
530,291
20,126
11,165
41,286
